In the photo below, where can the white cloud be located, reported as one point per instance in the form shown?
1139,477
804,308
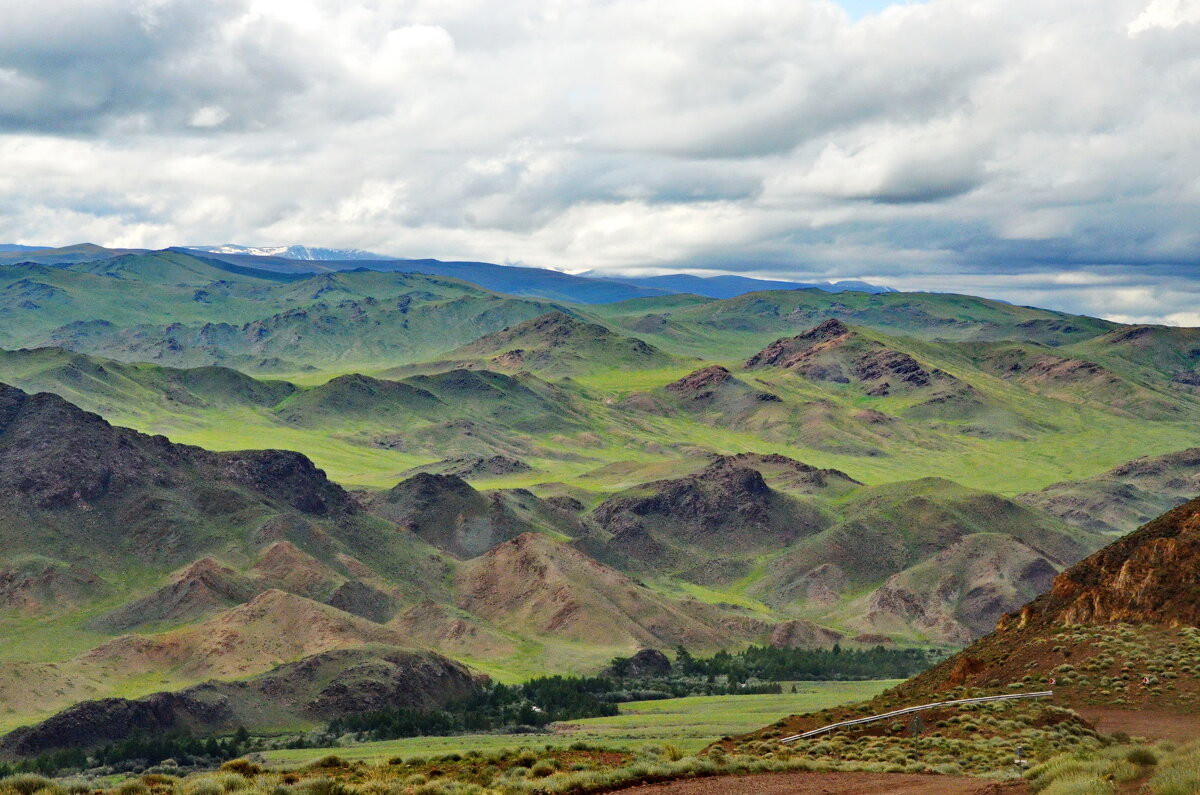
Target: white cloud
935,145
209,116
1166,14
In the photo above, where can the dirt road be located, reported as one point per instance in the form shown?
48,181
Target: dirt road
829,784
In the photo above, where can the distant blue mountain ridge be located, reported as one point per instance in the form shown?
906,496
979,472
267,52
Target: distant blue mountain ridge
586,288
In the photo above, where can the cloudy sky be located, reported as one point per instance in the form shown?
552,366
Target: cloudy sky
1042,151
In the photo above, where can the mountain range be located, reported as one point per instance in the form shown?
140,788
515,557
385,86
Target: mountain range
587,288
196,452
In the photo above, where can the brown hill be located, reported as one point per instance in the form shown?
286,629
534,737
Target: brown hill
537,585
799,633
889,529
959,593
76,488
204,587
705,526
1118,628
1126,496
792,474
36,585
557,344
715,388
832,351
319,687
207,586
452,631
273,628
447,512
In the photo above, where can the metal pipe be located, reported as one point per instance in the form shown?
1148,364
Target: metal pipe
910,710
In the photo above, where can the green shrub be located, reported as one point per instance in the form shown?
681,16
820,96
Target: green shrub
25,783
1079,785
542,769
330,761
1143,757
672,752
1177,776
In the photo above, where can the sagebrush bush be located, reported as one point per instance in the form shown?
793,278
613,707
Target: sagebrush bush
542,769
242,766
25,783
1141,756
672,752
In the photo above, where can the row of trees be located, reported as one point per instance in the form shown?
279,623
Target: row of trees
180,746
782,664
535,703
140,750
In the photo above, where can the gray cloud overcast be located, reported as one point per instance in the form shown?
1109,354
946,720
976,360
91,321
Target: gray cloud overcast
1041,152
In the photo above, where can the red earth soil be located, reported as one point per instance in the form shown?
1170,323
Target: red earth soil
1153,724
830,784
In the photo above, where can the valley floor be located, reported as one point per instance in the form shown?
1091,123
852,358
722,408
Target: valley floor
689,723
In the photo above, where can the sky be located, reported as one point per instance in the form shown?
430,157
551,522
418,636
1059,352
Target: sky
1045,152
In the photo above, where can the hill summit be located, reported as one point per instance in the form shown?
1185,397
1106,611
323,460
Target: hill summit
561,344
834,352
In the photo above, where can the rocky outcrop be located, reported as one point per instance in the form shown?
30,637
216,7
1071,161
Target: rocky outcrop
477,466
700,381
781,352
1150,576
679,523
645,663
794,473
834,352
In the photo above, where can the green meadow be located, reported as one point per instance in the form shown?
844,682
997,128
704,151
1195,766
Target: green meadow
690,723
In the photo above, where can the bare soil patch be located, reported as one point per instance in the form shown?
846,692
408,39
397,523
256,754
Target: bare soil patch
832,784
1152,724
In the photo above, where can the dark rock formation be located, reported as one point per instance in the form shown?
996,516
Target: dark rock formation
646,663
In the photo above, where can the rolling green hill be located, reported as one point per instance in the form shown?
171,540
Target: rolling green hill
535,486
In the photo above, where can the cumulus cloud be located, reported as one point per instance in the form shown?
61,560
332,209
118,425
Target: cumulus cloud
1039,152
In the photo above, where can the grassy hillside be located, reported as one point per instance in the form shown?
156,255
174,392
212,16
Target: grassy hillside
535,487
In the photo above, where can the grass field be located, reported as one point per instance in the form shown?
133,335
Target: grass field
690,723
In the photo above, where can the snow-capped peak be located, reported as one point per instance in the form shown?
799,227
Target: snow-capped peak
293,252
